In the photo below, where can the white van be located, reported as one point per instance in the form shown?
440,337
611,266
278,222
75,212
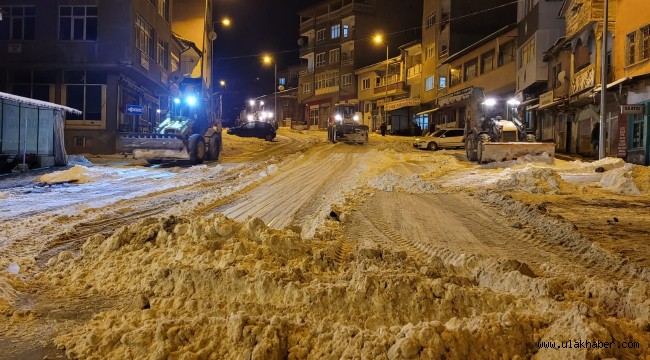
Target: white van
441,139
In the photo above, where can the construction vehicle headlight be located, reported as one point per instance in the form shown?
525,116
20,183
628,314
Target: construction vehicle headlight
190,100
355,118
338,117
177,101
249,117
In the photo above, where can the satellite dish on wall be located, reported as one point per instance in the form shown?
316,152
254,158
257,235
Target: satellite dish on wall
561,77
176,77
300,41
281,87
212,36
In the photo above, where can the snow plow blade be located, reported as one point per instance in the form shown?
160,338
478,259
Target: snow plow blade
155,146
351,134
495,151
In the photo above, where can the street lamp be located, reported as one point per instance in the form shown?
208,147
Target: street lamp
603,83
379,39
212,36
267,60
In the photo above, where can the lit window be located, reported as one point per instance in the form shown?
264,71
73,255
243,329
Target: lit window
336,31
428,83
282,81
19,23
78,23
442,82
430,51
346,80
346,31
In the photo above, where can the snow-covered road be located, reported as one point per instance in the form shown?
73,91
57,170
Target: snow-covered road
427,255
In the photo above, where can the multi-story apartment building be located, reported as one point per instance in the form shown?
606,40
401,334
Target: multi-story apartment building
584,21
553,116
336,39
98,58
450,27
632,71
539,29
488,64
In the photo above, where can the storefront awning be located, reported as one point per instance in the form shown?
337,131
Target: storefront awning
546,106
398,104
428,111
612,84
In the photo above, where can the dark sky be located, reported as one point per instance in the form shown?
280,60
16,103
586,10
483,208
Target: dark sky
258,26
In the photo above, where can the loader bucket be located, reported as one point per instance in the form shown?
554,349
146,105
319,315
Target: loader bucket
154,146
501,151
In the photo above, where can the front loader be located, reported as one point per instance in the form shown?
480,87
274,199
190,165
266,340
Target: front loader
489,136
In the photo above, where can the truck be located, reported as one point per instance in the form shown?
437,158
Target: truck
344,125
189,132
491,135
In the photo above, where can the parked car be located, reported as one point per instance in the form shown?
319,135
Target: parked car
258,129
441,139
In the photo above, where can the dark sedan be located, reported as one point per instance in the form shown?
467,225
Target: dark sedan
258,129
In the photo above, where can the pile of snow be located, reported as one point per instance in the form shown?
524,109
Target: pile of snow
606,163
413,184
620,180
78,174
212,287
524,160
531,179
4,195
78,160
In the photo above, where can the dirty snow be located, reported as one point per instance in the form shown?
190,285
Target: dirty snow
207,286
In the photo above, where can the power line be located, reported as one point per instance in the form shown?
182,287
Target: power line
369,38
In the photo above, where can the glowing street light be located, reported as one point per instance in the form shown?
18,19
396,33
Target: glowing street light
379,39
225,22
267,59
490,102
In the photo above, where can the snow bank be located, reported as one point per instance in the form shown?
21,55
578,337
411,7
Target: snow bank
214,288
524,160
620,180
412,184
78,174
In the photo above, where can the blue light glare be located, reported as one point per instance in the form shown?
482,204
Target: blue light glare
190,100
177,101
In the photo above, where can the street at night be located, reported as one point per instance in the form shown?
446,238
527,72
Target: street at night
244,258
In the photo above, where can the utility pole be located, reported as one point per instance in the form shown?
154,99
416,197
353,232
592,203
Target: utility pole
603,84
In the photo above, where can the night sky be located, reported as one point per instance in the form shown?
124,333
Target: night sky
258,27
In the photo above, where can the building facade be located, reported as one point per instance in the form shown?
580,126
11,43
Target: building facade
335,38
119,65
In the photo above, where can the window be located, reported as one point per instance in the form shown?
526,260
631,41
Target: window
313,116
78,23
507,53
336,31
306,88
320,35
282,81
34,84
144,37
442,82
320,59
470,69
163,9
19,24
454,78
174,63
630,49
346,31
555,74
430,51
638,131
428,83
79,141
365,84
431,20
327,79
163,54
335,56
527,52
487,62
346,80
645,42
84,91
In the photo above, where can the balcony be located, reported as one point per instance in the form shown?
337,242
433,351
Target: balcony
306,49
347,62
306,72
583,79
414,71
392,88
347,10
327,90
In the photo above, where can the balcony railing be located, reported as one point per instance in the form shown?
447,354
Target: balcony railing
327,90
583,79
414,70
306,72
396,87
